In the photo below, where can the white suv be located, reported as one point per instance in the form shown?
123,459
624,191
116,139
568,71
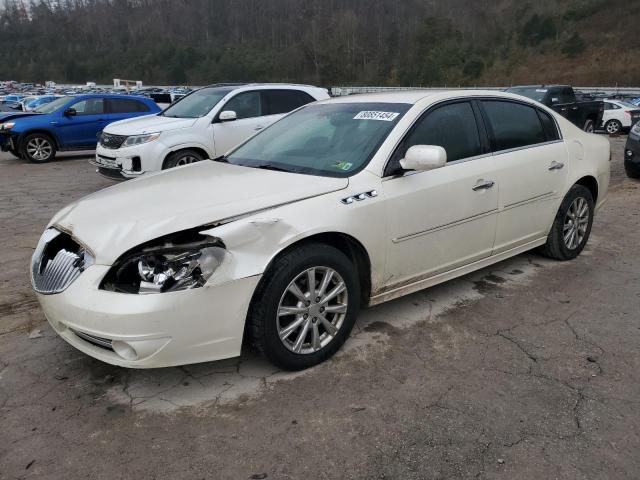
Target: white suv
204,124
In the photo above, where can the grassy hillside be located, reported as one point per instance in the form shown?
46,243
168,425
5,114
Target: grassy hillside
328,42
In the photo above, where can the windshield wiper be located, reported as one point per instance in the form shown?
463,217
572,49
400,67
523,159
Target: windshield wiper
221,159
267,166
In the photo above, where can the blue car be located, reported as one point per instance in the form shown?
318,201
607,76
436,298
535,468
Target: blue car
67,123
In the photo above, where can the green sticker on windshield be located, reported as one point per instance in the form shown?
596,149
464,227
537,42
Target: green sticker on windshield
346,166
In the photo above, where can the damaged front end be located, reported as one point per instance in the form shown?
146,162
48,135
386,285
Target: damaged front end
179,261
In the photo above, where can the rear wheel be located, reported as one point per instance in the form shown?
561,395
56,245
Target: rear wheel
305,306
613,127
572,225
181,157
38,148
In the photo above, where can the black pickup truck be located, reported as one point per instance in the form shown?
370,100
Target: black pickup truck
587,115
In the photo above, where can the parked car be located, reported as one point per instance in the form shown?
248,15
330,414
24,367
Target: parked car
619,116
632,152
11,99
67,123
341,204
203,124
586,115
29,104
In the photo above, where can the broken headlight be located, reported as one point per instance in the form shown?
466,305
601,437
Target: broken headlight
167,266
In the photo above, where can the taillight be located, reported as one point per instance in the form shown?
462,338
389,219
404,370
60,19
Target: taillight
628,112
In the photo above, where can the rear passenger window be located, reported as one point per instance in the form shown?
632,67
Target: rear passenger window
126,105
284,101
549,126
452,127
514,125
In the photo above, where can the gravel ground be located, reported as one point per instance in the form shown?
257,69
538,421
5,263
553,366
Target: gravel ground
528,369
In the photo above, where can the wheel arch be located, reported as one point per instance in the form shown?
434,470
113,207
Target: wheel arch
42,131
591,184
179,148
347,244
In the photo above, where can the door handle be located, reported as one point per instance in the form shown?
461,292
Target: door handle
483,185
556,165
574,108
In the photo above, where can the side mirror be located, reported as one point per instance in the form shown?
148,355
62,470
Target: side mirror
424,157
227,116
70,112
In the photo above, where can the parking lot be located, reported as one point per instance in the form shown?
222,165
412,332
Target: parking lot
526,370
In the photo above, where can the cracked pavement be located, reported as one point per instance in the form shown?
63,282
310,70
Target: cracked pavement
527,369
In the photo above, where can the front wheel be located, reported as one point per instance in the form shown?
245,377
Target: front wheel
589,126
181,157
572,225
38,148
305,306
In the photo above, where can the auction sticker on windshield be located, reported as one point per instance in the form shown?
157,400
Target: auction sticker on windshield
384,116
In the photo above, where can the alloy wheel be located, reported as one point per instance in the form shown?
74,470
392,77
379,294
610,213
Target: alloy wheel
186,160
39,148
613,127
312,310
576,222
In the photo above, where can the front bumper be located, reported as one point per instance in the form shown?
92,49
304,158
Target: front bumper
148,331
632,154
7,142
130,162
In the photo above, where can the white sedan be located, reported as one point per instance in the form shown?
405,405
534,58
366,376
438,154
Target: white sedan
342,204
619,115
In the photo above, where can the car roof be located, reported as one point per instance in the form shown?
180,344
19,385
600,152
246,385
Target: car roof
415,96
107,95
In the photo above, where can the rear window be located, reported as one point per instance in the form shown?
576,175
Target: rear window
284,101
514,125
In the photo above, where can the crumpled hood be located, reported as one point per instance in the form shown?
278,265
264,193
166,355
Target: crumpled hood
148,124
6,116
118,218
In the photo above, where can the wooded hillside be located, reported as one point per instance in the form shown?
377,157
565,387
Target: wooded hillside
327,42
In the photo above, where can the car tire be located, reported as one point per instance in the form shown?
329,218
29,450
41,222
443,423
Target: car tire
571,226
589,126
181,157
38,148
314,333
613,127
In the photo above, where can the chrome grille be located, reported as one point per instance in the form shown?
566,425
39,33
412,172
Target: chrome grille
113,142
57,262
97,341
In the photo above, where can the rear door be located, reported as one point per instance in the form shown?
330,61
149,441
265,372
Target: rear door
531,168
121,108
82,129
444,218
277,103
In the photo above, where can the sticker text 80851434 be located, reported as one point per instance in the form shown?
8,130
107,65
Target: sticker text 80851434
384,116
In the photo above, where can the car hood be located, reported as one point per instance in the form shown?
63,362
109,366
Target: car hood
148,124
6,116
116,219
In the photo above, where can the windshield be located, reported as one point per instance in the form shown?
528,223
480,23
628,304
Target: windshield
197,104
334,139
534,93
52,106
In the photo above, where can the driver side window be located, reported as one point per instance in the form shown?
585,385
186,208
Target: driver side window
90,106
246,105
452,127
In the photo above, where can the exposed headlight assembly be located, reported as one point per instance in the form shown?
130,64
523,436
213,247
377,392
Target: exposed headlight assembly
7,125
168,265
140,139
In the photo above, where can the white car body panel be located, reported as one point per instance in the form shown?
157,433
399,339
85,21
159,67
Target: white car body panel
419,230
210,139
616,114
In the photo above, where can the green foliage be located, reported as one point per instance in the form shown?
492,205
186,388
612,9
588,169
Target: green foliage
537,29
574,45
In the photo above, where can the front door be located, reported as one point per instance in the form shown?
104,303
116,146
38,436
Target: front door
82,129
249,121
445,218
